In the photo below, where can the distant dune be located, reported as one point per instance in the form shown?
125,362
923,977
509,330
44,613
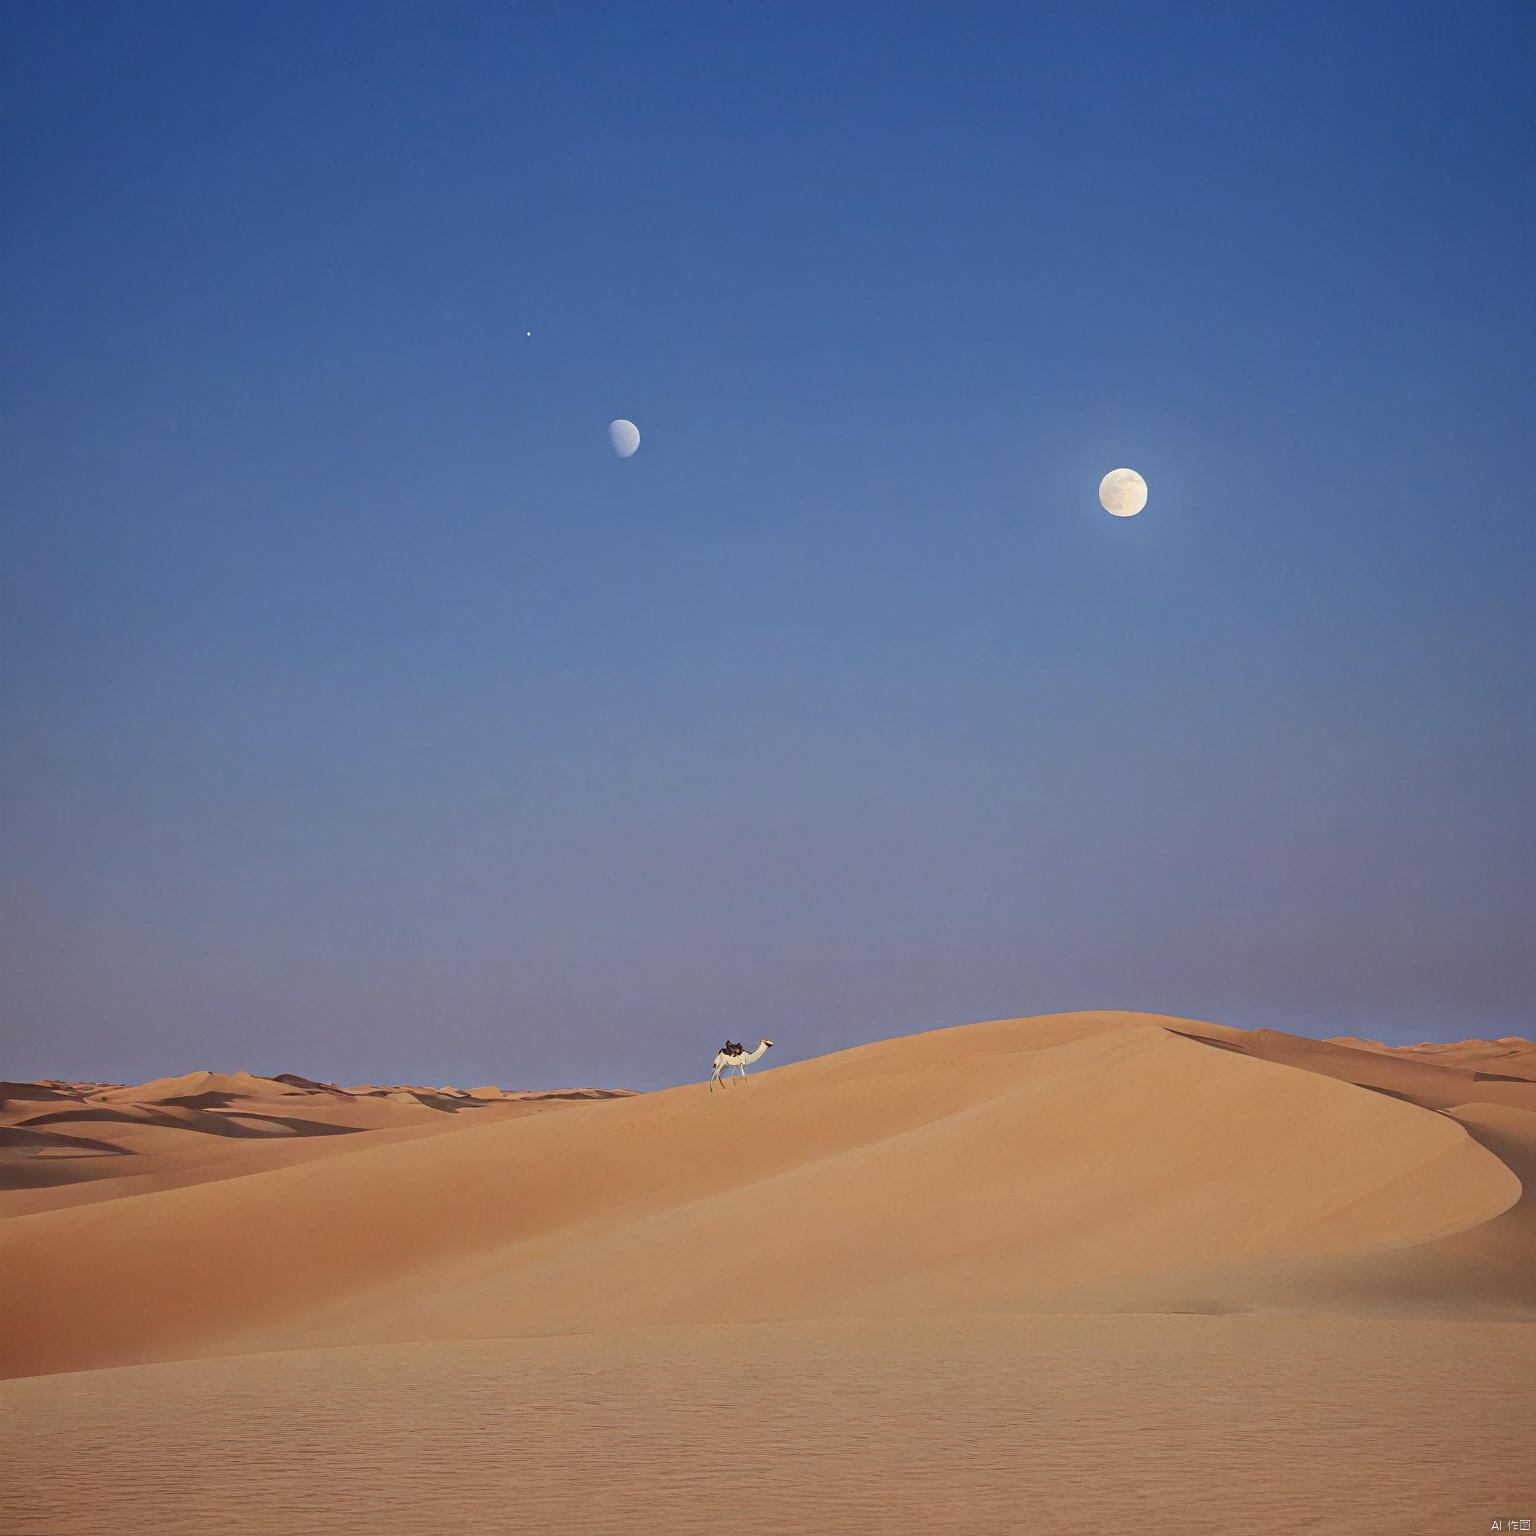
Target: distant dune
1109,1165
65,1144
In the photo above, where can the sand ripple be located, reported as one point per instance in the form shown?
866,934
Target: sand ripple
1160,1424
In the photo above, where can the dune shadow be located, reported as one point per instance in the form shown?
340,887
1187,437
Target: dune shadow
1219,1045
205,1122
18,1138
1392,1093
25,1163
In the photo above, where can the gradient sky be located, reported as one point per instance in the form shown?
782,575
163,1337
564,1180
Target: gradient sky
365,717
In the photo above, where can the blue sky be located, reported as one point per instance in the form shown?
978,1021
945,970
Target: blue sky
364,716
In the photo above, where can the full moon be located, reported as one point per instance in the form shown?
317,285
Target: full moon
625,437
1123,492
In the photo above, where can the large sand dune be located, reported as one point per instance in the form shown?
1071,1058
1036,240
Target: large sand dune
1085,1160
1119,1165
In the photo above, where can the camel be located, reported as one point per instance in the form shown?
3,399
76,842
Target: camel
734,1056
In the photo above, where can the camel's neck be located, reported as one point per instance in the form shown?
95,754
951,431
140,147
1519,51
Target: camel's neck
762,1045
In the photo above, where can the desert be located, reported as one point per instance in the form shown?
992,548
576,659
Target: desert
1039,1273
766,769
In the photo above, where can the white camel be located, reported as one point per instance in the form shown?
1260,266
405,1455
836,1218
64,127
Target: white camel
735,1056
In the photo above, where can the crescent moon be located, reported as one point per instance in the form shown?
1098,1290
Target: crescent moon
625,437
1122,492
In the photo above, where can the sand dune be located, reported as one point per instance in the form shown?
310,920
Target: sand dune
1488,1059
1080,1161
76,1143
1066,1274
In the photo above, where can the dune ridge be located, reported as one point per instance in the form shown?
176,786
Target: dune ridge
1107,1161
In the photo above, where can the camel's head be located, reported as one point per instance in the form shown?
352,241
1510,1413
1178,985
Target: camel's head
767,1042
